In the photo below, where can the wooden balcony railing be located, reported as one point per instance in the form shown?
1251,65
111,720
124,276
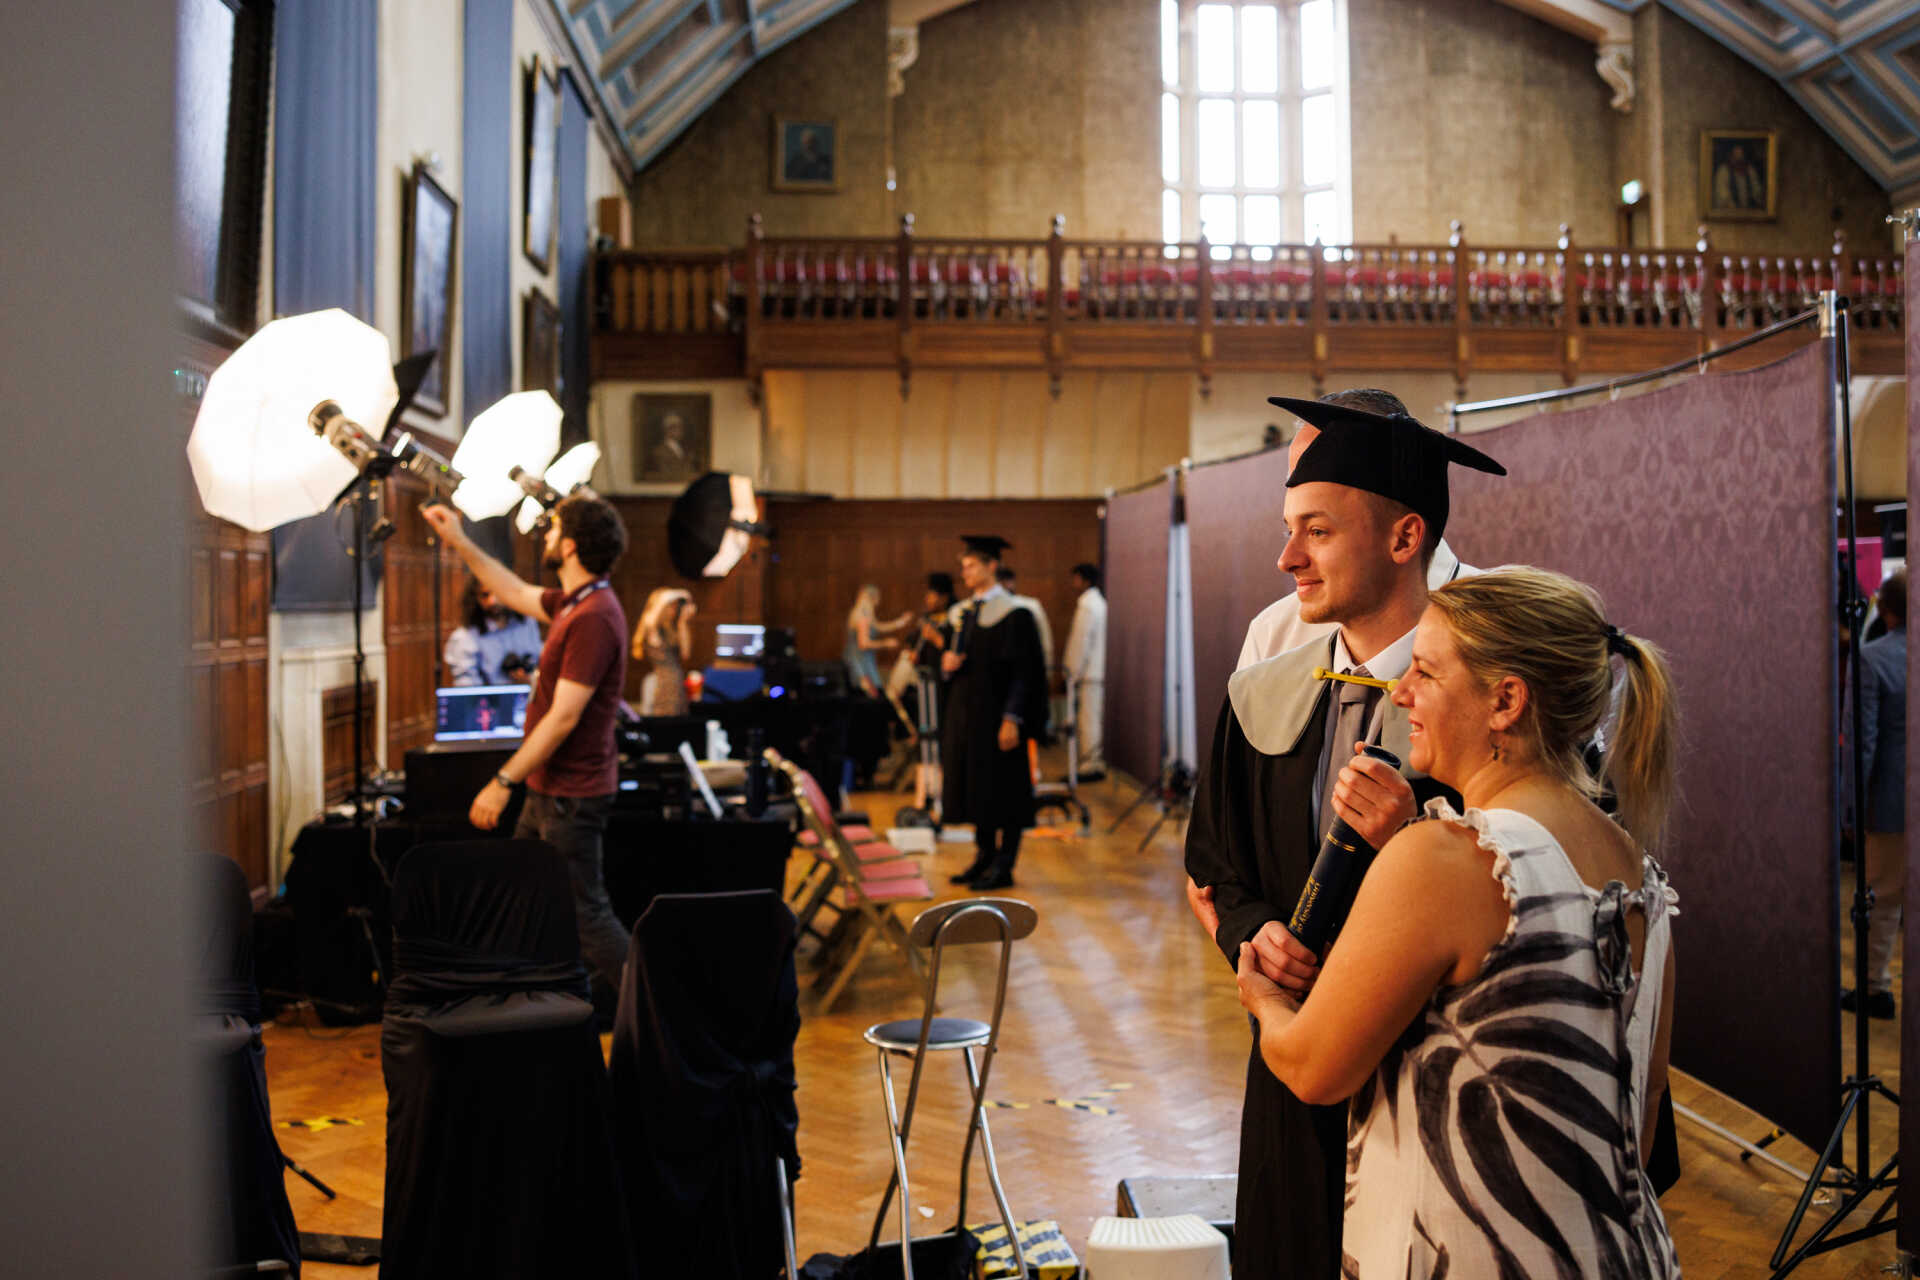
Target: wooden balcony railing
1056,304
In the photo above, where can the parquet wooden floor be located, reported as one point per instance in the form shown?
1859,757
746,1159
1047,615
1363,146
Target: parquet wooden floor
1117,998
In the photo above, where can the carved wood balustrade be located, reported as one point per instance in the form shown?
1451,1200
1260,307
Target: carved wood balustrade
1055,304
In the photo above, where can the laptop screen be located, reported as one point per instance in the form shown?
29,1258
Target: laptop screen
481,711
734,640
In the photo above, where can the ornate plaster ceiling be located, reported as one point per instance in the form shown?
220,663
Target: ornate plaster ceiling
1854,65
654,65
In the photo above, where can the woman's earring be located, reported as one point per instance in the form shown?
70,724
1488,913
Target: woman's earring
1495,744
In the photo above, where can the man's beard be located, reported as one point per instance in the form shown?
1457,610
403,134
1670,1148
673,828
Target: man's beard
552,560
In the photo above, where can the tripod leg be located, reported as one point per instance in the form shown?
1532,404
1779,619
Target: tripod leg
1814,1181
1145,792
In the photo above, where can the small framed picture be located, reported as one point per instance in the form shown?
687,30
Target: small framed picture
426,284
1738,172
539,344
806,155
672,437
543,163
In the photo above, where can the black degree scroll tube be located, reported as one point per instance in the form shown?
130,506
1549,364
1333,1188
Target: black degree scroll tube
1335,879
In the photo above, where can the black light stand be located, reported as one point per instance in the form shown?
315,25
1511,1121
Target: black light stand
1831,1172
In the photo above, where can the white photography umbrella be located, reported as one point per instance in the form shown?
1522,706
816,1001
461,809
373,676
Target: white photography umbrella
255,457
569,471
521,430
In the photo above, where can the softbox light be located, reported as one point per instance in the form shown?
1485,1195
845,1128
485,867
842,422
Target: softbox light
255,458
521,430
569,471
712,524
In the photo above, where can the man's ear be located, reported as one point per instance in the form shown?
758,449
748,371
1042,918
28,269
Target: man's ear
1409,532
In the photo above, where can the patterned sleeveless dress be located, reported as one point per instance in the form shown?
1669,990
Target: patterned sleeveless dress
1500,1136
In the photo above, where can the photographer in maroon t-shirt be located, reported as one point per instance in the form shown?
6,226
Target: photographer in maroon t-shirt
567,759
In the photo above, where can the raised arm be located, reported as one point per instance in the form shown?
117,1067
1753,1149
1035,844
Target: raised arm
507,586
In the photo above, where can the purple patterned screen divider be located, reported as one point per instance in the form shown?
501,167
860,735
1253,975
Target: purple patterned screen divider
1137,527
1236,520
1909,1230
1703,514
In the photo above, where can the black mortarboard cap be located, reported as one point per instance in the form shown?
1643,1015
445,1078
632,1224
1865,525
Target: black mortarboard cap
1393,455
990,545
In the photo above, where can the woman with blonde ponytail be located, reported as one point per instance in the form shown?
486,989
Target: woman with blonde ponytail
1499,1005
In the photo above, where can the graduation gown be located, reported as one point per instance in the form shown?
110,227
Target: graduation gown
1004,674
1253,839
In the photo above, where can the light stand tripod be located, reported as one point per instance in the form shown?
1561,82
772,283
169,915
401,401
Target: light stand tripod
364,495
1831,1172
1172,791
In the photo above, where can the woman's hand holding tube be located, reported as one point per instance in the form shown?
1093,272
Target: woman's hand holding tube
1374,799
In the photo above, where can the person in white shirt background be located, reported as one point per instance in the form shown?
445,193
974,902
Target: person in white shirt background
1085,666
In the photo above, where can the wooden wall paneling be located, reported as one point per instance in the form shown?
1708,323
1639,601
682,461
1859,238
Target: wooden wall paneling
926,421
784,452
1166,422
972,439
831,403
1118,402
229,581
1066,444
1023,412
827,550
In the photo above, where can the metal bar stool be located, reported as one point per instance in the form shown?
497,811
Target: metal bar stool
957,923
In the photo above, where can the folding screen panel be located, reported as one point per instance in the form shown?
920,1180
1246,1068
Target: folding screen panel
1236,515
1137,530
1703,514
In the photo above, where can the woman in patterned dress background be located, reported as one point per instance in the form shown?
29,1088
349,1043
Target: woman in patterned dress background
1498,1007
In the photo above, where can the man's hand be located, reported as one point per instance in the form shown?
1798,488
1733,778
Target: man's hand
1200,902
446,523
1283,960
1374,799
1009,735
950,661
489,805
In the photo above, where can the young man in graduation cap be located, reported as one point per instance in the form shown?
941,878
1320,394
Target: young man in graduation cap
1365,506
996,677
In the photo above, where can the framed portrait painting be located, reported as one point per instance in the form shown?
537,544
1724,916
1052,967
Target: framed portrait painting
539,344
1739,173
672,437
426,283
806,155
543,163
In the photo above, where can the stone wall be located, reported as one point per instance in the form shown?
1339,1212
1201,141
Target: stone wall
1471,110
1698,84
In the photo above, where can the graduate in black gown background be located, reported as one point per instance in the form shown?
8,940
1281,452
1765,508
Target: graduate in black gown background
996,675
1365,507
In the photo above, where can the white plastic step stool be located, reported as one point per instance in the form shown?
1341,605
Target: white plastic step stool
1181,1248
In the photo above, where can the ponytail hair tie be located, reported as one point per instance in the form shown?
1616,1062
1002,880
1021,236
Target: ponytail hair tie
1617,641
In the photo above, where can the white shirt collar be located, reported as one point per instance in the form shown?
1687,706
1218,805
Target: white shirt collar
995,590
1389,664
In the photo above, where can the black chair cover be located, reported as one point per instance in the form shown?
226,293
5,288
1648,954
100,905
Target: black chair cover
703,1083
499,1157
252,1220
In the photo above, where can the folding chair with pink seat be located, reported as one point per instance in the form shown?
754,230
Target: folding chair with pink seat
872,879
